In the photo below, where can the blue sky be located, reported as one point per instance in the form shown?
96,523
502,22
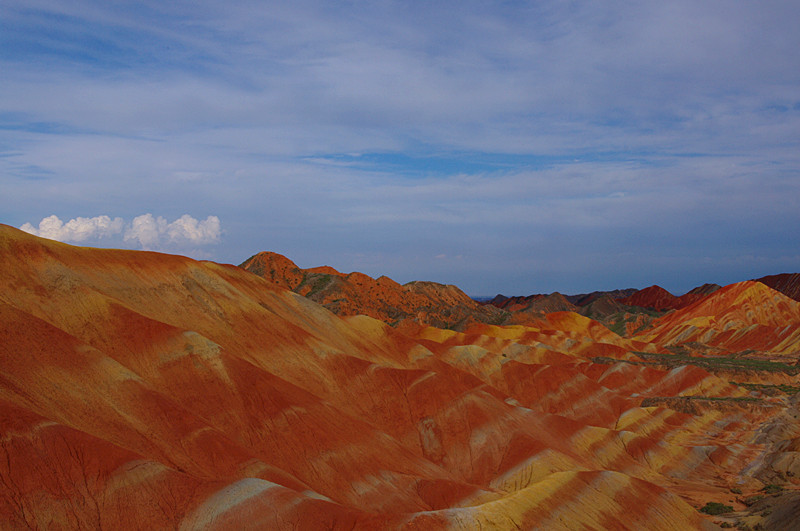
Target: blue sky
506,147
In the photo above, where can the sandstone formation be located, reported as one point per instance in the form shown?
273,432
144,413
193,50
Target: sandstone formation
654,297
382,298
141,390
786,283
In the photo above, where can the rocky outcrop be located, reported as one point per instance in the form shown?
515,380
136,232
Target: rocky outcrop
350,294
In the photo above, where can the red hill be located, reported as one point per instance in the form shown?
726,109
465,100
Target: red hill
359,294
786,283
275,268
695,295
743,316
654,297
141,390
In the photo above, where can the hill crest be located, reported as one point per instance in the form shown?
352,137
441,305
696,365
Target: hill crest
424,302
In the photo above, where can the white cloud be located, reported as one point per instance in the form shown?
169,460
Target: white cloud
148,231
153,232
76,230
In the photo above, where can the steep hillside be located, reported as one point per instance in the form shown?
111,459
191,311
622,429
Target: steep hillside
743,316
382,298
586,298
533,304
659,299
555,302
654,297
147,391
695,295
786,283
275,268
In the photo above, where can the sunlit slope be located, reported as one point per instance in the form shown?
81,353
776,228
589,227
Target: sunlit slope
146,390
743,316
119,346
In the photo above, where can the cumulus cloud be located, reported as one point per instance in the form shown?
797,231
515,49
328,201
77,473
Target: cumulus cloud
76,230
152,232
148,231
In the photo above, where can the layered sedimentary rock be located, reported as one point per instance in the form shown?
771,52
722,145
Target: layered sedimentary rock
700,292
657,298
743,316
382,298
654,297
786,283
143,390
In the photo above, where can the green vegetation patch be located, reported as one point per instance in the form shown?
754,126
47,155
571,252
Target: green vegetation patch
657,400
752,500
772,489
618,321
720,363
770,388
714,508
317,281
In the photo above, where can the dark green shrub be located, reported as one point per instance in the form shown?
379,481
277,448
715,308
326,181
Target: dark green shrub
753,499
771,489
714,508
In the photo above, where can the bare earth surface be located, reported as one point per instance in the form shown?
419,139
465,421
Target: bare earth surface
147,391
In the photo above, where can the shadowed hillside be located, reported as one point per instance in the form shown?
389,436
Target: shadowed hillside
786,283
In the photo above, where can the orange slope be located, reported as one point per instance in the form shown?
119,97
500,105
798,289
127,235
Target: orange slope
147,390
742,316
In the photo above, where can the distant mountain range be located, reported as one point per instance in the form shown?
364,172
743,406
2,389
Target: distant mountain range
625,311
656,297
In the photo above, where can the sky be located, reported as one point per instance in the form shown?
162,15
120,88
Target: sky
505,147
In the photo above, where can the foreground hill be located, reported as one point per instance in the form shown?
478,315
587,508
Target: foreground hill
145,391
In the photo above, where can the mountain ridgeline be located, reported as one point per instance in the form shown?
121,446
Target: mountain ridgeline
429,303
